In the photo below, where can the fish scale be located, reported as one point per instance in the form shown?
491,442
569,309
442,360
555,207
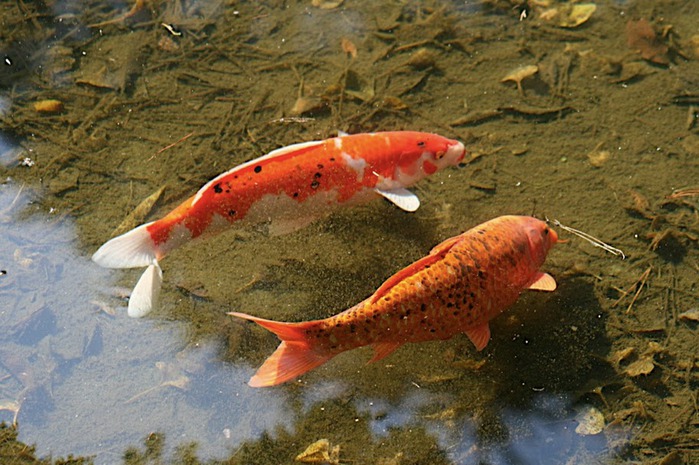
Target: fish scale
459,287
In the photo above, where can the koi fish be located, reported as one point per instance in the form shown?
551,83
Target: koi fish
459,287
286,189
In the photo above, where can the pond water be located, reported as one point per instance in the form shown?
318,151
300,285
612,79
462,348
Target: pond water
581,112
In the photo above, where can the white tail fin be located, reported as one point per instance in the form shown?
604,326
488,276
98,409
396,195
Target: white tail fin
130,250
145,295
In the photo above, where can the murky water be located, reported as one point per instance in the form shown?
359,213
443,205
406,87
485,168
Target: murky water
593,124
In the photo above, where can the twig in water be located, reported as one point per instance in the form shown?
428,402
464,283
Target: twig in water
591,239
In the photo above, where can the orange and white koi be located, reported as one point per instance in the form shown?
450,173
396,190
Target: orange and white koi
287,189
459,287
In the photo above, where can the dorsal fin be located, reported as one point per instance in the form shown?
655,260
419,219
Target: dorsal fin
283,152
436,254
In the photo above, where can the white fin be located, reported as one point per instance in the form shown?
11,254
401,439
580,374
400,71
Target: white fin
402,198
130,250
147,291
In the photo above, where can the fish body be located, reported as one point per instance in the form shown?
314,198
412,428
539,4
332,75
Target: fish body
286,189
459,287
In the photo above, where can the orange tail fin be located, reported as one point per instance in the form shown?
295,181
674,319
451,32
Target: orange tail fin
293,357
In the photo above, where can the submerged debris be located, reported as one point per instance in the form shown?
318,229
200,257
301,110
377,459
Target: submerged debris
326,4
591,239
519,74
689,315
570,16
48,106
590,421
321,453
139,214
642,38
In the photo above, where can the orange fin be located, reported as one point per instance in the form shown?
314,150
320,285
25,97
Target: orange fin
384,349
293,357
479,335
543,282
436,254
289,361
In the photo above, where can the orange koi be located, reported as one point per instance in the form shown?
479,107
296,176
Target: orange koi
286,189
459,287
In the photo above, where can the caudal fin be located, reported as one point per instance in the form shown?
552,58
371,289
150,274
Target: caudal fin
147,291
293,357
130,250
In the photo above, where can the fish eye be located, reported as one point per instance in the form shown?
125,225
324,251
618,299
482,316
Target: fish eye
546,231
439,154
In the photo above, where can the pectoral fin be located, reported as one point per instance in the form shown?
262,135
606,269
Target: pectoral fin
479,335
543,282
402,198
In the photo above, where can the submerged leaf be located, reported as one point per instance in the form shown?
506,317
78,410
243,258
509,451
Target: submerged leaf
590,421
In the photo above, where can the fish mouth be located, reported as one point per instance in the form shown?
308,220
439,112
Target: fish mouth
456,152
553,235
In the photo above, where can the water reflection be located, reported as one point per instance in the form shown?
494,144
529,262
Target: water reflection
82,378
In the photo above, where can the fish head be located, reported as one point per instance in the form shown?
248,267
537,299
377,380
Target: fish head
541,238
439,152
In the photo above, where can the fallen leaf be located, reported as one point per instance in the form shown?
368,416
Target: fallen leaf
348,47
689,315
326,4
48,106
640,367
642,38
320,452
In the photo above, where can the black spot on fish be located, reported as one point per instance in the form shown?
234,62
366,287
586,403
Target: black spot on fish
320,166
421,144
296,194
315,184
352,328
231,212
423,307
217,188
257,169
481,275
332,159
317,176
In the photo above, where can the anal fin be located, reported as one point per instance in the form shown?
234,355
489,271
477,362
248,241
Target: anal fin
144,296
383,350
480,335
